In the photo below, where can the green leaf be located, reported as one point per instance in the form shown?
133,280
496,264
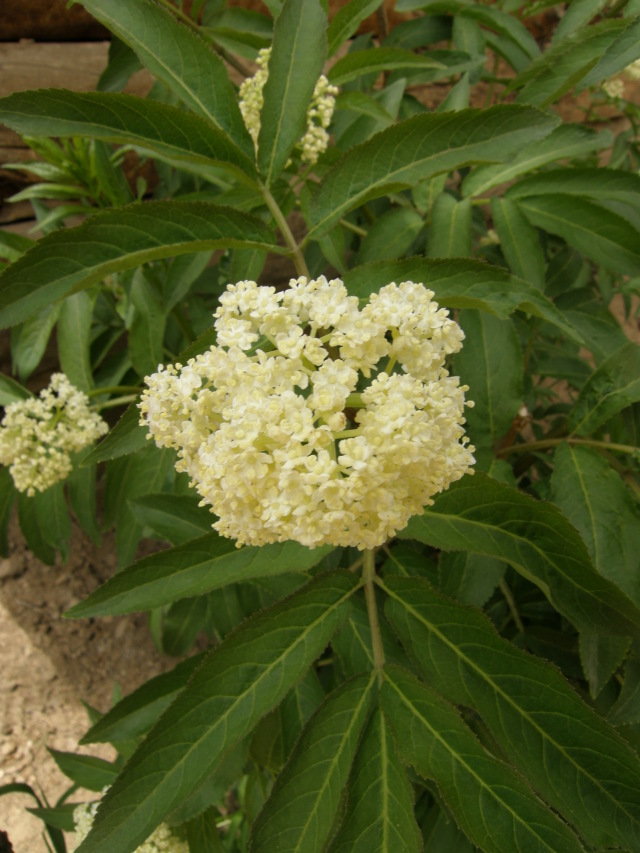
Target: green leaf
134,715
346,21
72,259
127,436
469,578
377,60
565,64
480,515
176,518
146,334
391,235
11,391
165,131
81,487
459,283
74,338
576,16
418,148
490,801
600,658
192,569
121,66
182,623
32,527
567,140
627,707
298,53
599,233
50,508
450,232
612,387
596,501
379,816
519,241
130,477
352,644
302,807
61,816
622,51
240,681
87,771
491,364
596,184
277,733
32,340
533,713
179,58
202,832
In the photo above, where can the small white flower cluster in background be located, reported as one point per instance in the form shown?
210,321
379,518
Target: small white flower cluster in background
633,71
319,112
317,436
39,434
614,87
162,839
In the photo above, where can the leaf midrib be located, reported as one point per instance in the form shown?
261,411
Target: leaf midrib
500,692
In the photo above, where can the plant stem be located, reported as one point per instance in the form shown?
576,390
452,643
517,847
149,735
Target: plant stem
545,443
113,389
290,240
368,574
118,401
504,589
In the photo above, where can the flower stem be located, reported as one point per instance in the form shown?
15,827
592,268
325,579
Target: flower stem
552,442
368,575
117,401
290,240
113,389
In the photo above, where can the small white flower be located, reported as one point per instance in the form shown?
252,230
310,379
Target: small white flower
614,87
317,439
319,112
39,434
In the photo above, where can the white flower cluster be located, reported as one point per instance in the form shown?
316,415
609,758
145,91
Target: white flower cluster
319,112
39,434
318,437
161,840
633,71
614,87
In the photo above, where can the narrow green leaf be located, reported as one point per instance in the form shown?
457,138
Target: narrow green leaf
241,680
612,387
134,715
596,184
600,658
179,58
391,235
182,623
379,816
599,233
12,391
87,771
71,259
32,340
74,338
481,515
469,578
202,832
540,722
459,283
60,816
176,518
627,707
567,140
81,488
440,832
31,525
418,148
121,66
519,241
346,21
146,333
352,644
566,63
378,60
576,16
127,436
302,807
490,801
192,569
596,501
165,131
450,232
298,53
622,51
491,364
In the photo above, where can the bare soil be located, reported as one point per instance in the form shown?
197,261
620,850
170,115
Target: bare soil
48,665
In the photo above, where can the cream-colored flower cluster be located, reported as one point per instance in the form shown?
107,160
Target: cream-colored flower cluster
340,426
319,112
614,87
161,840
39,434
633,71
